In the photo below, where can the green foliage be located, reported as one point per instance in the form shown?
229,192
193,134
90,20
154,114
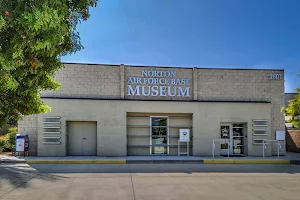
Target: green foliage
293,109
8,141
5,128
224,146
34,34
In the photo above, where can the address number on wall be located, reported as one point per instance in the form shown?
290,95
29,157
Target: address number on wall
275,76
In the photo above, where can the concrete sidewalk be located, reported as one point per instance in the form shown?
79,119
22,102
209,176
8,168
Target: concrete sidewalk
290,158
11,159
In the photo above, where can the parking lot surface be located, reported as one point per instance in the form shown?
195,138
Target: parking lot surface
149,181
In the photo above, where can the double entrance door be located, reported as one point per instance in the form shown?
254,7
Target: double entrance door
234,135
82,138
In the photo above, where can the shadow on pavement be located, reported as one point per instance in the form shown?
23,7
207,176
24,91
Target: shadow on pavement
165,168
18,175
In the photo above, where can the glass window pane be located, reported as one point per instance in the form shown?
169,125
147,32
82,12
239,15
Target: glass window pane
260,132
260,123
158,121
225,130
238,132
238,150
159,131
258,141
159,150
238,141
51,139
159,141
238,125
51,129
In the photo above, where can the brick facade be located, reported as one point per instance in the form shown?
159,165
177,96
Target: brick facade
29,126
111,82
84,81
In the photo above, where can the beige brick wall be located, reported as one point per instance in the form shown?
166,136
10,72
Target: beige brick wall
87,81
29,126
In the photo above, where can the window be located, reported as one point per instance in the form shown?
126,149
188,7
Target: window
238,125
51,129
260,122
51,139
225,131
159,135
259,141
260,131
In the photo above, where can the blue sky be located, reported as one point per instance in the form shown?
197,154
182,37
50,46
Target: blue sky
188,33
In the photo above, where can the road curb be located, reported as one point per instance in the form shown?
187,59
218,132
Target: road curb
164,161
76,161
255,161
109,161
295,162
123,161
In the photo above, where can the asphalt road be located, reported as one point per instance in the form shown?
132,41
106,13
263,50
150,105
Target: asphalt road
149,181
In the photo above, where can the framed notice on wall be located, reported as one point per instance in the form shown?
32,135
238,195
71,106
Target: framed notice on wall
184,135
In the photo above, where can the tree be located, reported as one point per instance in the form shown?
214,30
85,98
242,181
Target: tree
34,34
293,109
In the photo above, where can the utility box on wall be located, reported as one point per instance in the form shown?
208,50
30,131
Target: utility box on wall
280,135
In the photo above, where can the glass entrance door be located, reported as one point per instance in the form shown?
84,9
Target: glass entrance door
159,137
234,135
237,139
226,134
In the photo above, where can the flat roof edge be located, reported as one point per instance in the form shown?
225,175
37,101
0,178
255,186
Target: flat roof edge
214,68
112,99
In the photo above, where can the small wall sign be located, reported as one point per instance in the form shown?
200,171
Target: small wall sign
184,135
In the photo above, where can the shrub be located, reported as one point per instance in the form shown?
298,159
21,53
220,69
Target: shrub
8,141
1,143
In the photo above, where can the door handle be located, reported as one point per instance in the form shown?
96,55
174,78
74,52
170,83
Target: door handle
84,138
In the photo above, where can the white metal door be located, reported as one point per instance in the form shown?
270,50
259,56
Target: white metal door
82,138
89,138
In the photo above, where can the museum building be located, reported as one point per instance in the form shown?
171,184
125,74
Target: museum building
123,110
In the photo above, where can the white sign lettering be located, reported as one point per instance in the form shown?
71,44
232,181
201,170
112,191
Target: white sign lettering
158,83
